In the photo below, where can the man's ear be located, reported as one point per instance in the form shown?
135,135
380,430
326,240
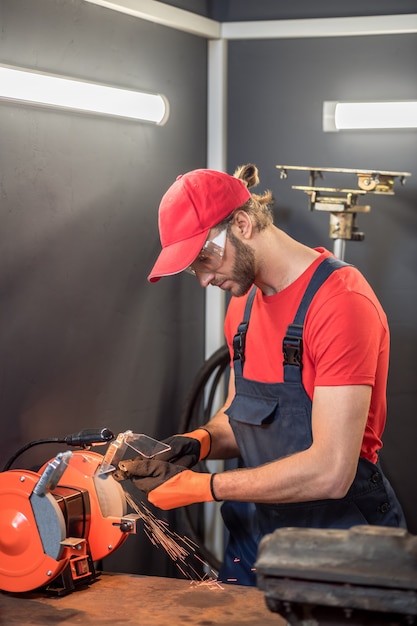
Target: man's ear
243,223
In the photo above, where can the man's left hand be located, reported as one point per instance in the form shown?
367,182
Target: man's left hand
166,485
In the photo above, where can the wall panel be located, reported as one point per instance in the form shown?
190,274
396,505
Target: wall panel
85,341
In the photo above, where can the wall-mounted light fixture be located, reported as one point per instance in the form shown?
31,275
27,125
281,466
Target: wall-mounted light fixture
38,88
372,115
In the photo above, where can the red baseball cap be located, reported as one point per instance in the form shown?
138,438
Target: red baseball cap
195,203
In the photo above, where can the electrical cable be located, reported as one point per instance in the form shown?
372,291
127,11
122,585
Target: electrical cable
83,439
196,412
29,445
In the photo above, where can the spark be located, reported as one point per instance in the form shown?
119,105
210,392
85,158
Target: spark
178,548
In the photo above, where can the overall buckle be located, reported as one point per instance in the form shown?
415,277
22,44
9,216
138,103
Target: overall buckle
292,346
239,342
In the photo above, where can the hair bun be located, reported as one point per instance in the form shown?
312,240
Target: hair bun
248,174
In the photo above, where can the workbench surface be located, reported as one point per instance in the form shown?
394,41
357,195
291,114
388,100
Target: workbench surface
124,599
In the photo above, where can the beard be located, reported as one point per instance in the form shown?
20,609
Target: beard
243,271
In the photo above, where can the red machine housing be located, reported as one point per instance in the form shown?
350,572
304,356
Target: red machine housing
52,537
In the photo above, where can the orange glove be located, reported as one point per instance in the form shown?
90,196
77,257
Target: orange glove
166,485
187,449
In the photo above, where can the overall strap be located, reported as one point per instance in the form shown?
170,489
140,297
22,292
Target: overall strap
239,340
292,345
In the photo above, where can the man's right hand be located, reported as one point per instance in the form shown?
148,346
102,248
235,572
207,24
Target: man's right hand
187,449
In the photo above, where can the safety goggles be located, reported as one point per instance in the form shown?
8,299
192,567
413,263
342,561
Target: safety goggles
210,256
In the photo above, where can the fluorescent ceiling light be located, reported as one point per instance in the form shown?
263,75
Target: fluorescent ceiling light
361,115
28,87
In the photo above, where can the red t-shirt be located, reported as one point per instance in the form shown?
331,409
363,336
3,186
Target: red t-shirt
345,339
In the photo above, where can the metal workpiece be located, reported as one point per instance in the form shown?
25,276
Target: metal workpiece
364,575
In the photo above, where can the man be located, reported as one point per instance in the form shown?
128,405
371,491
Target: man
306,406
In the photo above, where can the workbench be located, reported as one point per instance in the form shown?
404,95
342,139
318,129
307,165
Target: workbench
125,599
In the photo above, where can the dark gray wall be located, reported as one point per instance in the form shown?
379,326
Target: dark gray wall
276,91
242,10
85,341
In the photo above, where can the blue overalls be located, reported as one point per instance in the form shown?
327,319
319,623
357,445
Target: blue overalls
273,420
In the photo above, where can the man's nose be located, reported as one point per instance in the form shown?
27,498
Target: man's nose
204,278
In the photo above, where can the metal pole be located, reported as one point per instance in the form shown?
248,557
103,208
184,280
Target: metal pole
339,248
